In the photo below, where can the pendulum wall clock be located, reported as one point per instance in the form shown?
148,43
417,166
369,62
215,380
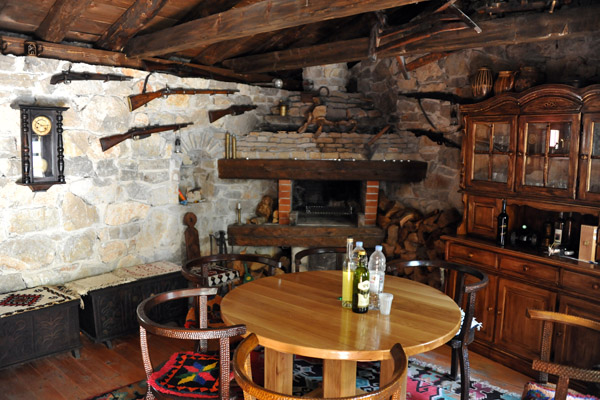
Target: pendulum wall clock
42,151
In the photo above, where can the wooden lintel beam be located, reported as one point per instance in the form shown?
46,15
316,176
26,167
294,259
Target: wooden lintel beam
16,46
264,16
129,24
427,59
60,18
527,28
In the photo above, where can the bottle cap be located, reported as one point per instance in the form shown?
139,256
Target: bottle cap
378,248
359,244
349,240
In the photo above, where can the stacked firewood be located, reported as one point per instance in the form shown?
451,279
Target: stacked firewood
412,235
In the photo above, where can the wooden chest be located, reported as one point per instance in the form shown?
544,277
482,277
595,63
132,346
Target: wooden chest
43,321
110,311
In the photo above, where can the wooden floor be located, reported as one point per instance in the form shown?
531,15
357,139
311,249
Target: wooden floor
100,369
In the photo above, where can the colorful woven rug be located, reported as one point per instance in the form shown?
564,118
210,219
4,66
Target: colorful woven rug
425,382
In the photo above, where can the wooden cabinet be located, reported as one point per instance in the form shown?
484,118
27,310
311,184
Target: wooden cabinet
521,280
539,150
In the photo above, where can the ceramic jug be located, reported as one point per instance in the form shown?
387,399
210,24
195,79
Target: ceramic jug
504,82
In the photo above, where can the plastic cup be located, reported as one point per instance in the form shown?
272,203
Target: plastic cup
385,303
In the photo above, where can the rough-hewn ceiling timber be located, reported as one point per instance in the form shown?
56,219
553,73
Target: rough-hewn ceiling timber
254,41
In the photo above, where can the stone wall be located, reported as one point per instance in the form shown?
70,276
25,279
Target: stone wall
119,207
572,61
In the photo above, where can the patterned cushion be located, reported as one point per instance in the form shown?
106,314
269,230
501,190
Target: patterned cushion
219,276
538,391
188,374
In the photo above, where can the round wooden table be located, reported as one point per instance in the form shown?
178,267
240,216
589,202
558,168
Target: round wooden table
301,313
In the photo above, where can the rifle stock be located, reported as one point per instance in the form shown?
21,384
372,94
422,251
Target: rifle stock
214,115
138,100
138,133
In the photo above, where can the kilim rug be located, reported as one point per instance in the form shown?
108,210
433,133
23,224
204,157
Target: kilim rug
425,382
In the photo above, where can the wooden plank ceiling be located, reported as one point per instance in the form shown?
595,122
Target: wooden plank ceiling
254,41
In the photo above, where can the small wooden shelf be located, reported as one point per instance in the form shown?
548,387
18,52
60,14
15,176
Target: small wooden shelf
344,170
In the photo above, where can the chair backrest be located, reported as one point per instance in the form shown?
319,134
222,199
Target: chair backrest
197,270
454,286
243,375
564,372
315,251
174,332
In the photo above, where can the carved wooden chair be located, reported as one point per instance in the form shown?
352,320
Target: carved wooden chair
242,369
464,294
315,251
564,372
207,374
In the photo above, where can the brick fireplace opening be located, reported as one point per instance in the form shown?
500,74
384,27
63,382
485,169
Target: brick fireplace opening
336,203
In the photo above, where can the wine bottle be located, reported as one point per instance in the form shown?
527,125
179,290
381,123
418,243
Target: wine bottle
559,226
567,235
347,275
360,286
502,232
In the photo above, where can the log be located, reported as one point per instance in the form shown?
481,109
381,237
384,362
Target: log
392,234
448,217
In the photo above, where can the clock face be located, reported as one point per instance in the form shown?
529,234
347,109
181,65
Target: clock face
41,125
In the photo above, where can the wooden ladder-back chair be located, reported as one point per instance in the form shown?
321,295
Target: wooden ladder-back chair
243,375
315,251
564,372
464,294
214,370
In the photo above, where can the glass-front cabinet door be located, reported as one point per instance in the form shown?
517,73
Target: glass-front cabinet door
490,158
547,155
589,159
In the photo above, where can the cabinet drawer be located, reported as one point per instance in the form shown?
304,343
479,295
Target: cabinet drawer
527,269
471,256
580,283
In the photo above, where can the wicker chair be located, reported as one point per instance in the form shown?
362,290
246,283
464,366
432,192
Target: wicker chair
243,376
461,289
315,251
564,372
216,371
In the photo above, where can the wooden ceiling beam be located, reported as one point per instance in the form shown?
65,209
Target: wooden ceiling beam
62,15
16,46
264,16
129,24
525,28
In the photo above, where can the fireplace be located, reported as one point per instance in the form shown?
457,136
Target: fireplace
325,202
328,202
364,174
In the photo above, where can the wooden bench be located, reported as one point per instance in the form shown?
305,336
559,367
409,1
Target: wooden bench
109,301
37,322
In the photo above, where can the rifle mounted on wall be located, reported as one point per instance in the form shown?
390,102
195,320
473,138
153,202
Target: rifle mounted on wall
235,109
138,100
138,133
67,77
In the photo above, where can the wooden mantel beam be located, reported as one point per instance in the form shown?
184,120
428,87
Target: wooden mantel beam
264,16
130,23
62,15
526,28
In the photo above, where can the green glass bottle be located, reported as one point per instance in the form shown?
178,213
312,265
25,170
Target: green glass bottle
360,285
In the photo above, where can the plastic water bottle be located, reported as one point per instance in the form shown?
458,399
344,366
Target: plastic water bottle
377,276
